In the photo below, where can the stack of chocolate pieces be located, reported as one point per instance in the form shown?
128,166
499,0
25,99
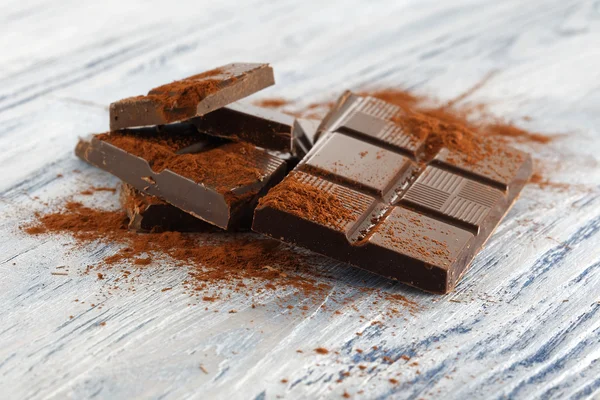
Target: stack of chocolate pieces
361,187
188,152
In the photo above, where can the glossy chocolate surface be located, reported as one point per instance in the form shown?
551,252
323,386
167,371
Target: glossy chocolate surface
214,89
150,214
413,216
260,126
228,207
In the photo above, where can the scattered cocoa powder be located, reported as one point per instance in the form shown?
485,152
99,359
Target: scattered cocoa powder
142,261
472,118
467,128
217,264
450,126
90,191
538,180
275,102
212,263
35,229
82,222
508,130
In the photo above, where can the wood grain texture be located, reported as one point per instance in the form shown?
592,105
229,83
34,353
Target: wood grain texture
525,321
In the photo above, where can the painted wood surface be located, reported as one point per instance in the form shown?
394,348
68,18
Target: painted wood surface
525,321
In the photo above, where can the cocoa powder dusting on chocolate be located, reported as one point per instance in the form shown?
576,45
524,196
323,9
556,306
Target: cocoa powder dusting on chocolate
179,99
306,201
466,128
471,118
224,167
438,134
452,127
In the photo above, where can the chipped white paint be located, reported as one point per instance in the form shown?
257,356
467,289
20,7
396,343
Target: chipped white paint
525,321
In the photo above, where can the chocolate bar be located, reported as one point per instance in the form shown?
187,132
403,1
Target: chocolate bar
260,126
309,128
192,96
378,193
215,180
150,214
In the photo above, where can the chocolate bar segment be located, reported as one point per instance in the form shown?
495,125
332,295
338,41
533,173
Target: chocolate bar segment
150,214
193,96
308,138
212,179
260,126
377,195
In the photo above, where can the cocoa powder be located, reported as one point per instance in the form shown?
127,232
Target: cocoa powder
439,127
508,130
217,263
223,168
90,191
301,199
83,223
179,99
276,102
468,129
214,264
473,119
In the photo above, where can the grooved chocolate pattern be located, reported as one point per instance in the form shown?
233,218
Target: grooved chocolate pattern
420,221
452,195
386,131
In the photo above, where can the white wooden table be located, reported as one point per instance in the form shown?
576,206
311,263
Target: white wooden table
525,321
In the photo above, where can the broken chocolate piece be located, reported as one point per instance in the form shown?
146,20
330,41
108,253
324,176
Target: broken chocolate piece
214,180
194,96
376,194
150,214
306,141
260,126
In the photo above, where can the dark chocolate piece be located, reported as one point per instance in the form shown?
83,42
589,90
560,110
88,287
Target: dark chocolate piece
374,195
214,180
150,214
260,126
306,141
197,95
